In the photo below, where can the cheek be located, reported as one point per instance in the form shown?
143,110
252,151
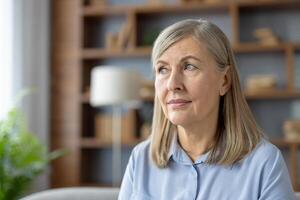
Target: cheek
159,88
160,91
205,91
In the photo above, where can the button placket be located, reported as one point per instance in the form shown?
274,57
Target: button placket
197,182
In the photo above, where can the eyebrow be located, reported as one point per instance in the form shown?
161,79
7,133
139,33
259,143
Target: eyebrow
182,59
190,56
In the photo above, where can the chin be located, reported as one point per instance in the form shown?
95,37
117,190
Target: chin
177,121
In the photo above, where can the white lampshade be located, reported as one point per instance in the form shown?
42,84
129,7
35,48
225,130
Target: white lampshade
114,86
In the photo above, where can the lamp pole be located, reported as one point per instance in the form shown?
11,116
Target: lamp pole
117,146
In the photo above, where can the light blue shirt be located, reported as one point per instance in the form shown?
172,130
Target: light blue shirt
261,175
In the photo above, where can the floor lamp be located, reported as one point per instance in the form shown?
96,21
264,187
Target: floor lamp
116,87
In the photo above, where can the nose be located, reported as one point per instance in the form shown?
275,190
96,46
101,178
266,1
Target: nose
175,81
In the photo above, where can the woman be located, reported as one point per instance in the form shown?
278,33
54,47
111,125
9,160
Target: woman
205,143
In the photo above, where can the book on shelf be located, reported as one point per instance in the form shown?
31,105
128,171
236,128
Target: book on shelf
104,127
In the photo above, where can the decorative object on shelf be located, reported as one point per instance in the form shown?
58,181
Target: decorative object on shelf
111,40
125,34
103,127
121,39
147,90
266,36
116,87
98,3
291,129
257,83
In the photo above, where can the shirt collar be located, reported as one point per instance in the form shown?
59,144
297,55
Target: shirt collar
177,154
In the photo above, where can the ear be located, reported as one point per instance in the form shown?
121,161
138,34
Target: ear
226,80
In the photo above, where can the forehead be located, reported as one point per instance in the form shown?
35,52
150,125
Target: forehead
188,46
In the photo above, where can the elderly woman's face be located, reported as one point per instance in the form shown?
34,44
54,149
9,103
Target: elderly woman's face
188,83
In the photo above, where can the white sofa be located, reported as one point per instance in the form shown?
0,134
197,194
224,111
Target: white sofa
76,193
297,195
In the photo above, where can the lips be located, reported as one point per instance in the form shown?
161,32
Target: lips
178,103
175,101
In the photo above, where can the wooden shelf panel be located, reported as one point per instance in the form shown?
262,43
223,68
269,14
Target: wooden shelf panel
257,48
90,11
93,11
272,94
285,143
94,53
269,4
95,143
179,8
85,98
97,53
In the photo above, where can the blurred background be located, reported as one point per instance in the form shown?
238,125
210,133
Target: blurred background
54,45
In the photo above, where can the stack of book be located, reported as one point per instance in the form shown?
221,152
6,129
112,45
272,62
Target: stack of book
291,129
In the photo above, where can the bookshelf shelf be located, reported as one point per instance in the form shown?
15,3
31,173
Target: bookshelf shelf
94,53
272,94
96,143
285,143
269,4
103,53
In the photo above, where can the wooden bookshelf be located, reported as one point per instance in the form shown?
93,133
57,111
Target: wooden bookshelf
72,60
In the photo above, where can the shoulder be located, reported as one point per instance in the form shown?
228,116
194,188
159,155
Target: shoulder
140,160
266,163
265,154
141,150
142,147
265,148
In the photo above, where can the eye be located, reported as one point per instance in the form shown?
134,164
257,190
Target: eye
162,70
189,67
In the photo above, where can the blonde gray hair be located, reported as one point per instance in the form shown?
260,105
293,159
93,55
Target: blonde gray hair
237,132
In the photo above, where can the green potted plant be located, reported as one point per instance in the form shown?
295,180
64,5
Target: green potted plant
22,156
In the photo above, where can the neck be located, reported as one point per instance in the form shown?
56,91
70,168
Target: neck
197,140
